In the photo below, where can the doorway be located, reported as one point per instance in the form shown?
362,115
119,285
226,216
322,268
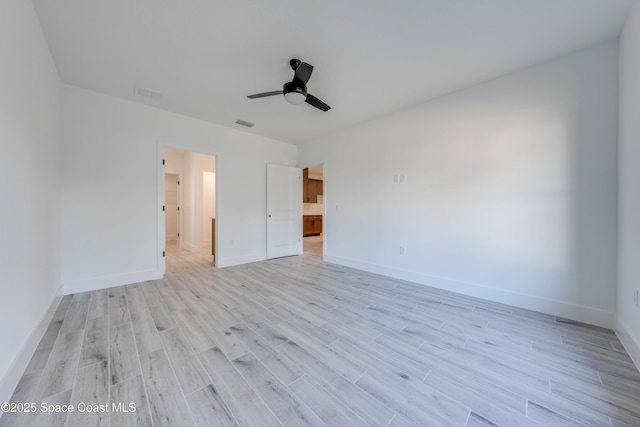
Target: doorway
172,207
313,210
189,210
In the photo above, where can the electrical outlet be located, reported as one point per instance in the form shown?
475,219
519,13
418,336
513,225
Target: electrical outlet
395,178
403,177
402,250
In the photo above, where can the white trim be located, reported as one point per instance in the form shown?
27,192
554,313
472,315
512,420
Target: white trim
103,282
630,342
590,315
161,266
244,259
11,378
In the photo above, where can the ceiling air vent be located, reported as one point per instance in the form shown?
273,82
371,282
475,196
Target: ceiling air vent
146,93
244,123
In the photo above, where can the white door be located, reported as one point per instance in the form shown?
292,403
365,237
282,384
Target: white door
171,207
284,211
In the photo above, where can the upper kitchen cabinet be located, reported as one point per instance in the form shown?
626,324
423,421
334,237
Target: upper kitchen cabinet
311,188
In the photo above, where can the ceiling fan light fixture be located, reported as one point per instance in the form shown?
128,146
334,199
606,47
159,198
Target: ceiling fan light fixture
293,94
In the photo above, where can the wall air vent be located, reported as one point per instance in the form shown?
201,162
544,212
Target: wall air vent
244,123
149,94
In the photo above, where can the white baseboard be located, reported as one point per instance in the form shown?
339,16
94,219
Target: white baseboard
102,282
590,315
245,259
11,378
630,342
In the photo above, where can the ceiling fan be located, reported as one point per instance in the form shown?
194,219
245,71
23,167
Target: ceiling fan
295,91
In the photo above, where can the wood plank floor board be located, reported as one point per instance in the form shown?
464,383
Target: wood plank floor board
224,338
226,317
151,295
476,420
275,394
60,371
171,299
91,390
24,392
417,406
464,357
398,421
297,341
347,368
285,369
123,357
53,419
209,409
41,355
189,371
167,405
269,333
602,364
245,405
76,316
249,309
125,393
190,301
317,332
145,332
135,300
360,402
98,304
554,371
61,311
95,347
491,402
404,361
162,317
599,348
327,407
616,407
193,331
547,417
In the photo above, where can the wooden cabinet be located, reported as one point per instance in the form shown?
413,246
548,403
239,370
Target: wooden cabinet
305,185
311,188
311,225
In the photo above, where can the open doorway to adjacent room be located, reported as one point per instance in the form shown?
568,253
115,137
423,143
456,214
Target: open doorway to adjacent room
190,210
313,210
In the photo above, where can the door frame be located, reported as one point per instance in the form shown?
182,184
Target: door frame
160,218
180,202
270,224
324,204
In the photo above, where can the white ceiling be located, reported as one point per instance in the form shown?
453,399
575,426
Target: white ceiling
371,57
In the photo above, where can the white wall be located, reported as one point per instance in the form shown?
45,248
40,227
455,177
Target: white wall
30,135
208,204
110,230
628,320
194,166
510,189
174,161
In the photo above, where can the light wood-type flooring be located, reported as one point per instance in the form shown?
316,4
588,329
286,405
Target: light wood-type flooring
296,342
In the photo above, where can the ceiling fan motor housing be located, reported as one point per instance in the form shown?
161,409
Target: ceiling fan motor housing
294,93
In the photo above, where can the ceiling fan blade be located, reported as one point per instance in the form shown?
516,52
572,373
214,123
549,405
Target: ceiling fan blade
312,100
264,94
303,72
